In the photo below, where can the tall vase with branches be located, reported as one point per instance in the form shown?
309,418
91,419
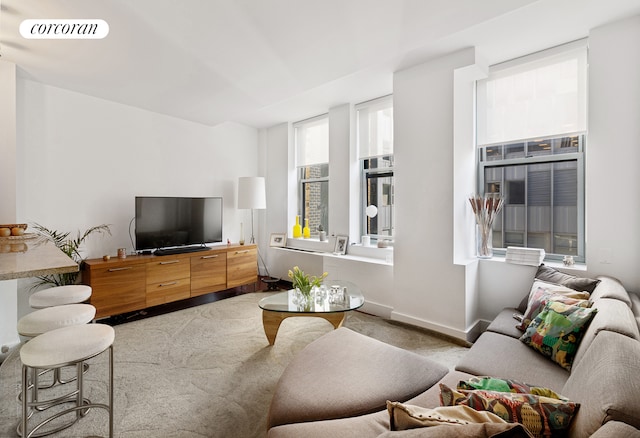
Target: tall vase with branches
70,247
486,209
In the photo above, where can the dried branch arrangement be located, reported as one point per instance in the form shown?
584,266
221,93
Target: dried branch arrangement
486,209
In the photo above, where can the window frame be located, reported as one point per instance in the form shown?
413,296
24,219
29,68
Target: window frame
301,170
302,181
578,157
366,174
378,172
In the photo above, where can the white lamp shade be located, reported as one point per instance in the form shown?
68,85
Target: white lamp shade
251,192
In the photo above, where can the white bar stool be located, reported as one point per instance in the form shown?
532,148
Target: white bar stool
63,347
51,318
60,295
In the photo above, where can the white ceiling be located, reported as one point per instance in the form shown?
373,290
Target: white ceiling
263,62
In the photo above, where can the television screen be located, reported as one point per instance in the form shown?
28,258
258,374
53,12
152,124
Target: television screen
163,222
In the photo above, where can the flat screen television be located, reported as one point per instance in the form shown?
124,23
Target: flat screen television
167,222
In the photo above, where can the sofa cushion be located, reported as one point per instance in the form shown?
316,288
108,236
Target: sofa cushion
363,426
488,430
502,356
333,377
615,429
431,397
541,293
542,416
614,316
635,306
610,287
406,416
551,275
606,384
505,323
557,331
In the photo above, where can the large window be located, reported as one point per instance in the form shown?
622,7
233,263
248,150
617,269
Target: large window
531,138
375,152
312,164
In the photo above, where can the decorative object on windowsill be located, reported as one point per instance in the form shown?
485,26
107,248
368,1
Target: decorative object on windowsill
322,234
486,209
297,228
278,240
525,256
304,284
306,231
568,260
341,245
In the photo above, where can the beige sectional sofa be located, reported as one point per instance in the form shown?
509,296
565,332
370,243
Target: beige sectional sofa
338,386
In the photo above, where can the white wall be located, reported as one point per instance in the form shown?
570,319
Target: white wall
613,154
429,289
8,148
612,177
82,160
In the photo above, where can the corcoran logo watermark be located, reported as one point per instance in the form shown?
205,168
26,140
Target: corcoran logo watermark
61,29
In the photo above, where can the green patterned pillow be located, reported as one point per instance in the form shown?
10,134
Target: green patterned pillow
557,331
541,293
542,416
507,385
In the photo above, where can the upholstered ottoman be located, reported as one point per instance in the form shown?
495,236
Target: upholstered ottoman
345,374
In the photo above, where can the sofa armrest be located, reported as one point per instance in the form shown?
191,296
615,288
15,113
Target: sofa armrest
512,430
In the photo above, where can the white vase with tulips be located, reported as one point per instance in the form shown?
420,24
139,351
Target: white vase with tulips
304,284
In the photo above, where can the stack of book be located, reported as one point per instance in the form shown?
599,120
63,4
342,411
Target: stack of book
525,256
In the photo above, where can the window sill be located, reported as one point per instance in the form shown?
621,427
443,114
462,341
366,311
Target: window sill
381,256
577,267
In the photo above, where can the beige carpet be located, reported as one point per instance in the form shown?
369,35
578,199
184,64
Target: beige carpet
206,371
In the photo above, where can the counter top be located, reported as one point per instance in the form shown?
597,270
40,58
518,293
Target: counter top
32,258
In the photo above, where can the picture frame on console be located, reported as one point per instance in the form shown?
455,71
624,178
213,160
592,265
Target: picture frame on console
278,240
341,245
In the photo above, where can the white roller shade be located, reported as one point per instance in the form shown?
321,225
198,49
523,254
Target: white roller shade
538,96
375,128
312,141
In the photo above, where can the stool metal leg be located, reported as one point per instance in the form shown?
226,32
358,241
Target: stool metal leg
111,391
81,405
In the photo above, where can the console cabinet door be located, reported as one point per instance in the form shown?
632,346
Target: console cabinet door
242,267
208,273
117,288
168,279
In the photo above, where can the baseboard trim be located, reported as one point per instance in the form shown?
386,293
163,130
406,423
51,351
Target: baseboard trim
468,335
377,309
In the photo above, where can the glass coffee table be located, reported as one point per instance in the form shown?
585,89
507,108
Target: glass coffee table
335,299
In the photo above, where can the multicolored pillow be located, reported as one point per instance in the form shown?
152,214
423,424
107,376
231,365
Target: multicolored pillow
507,385
541,293
542,416
557,331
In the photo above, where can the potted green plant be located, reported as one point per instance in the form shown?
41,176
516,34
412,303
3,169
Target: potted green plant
303,282
70,247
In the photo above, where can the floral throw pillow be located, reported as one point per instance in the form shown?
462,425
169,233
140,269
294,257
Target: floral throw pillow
557,331
542,416
541,293
507,385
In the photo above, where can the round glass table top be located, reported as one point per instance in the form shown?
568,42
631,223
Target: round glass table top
334,296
